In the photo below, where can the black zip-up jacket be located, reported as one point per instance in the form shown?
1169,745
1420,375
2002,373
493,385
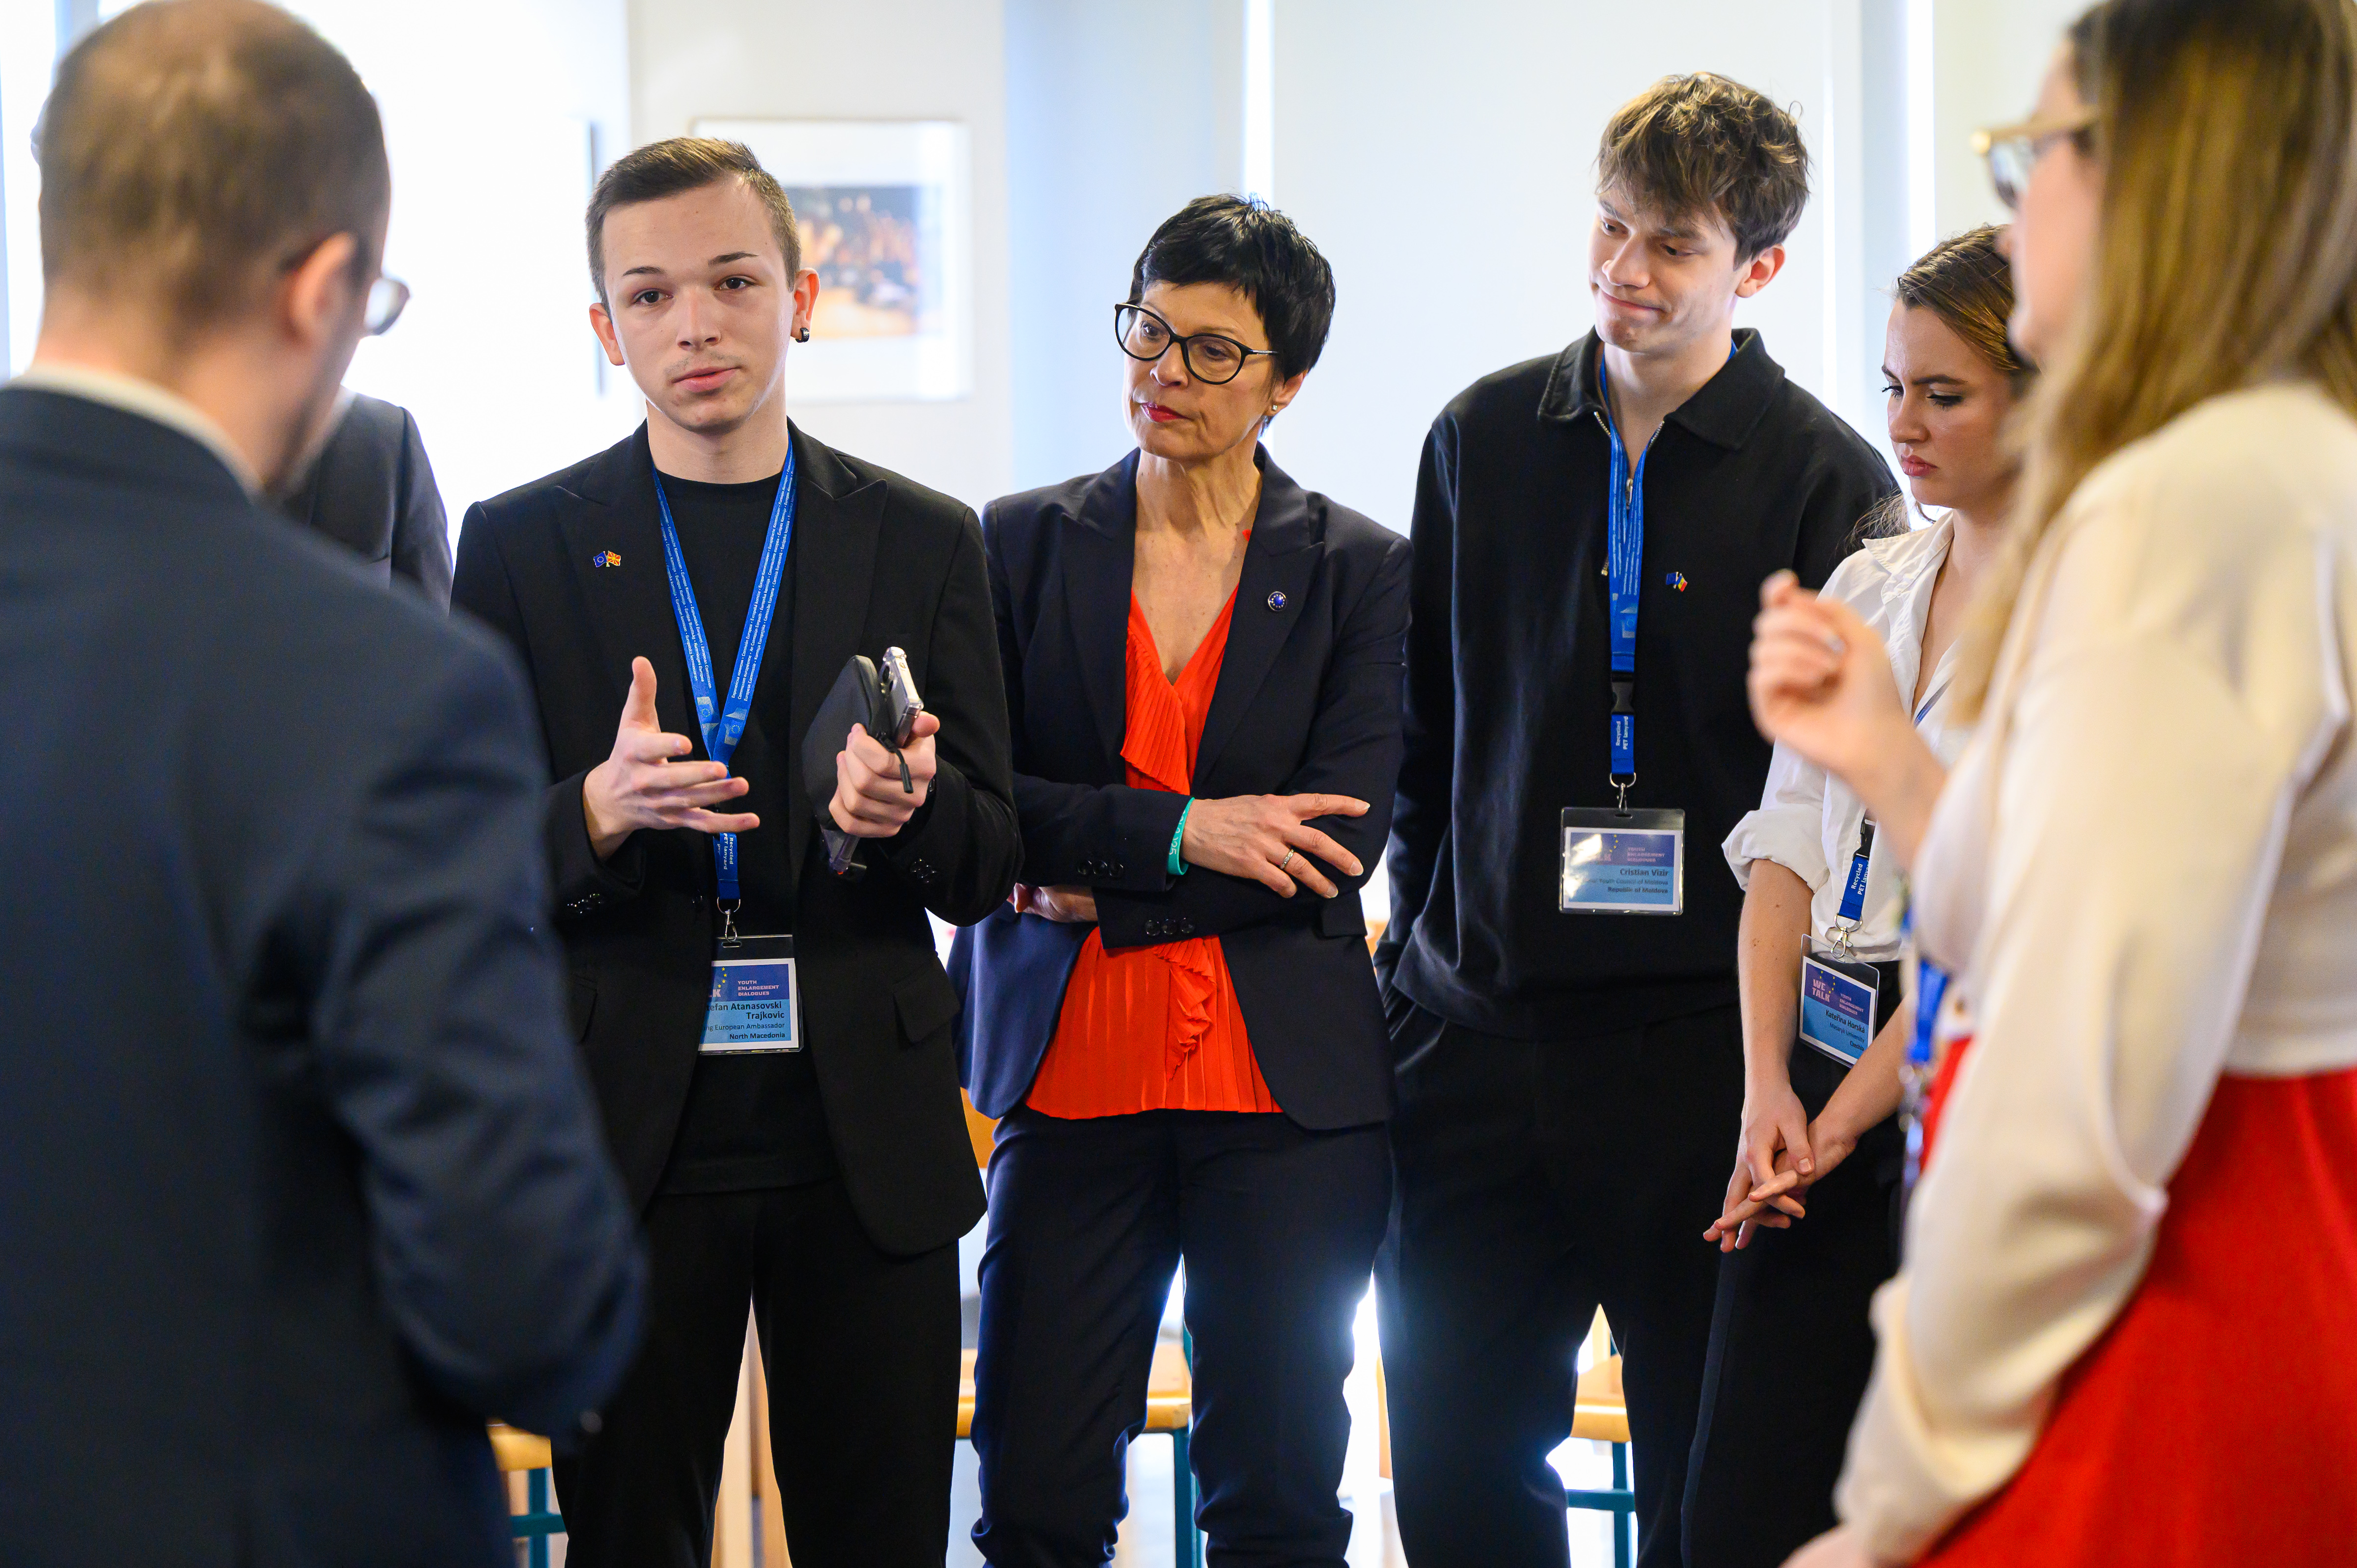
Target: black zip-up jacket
1508,690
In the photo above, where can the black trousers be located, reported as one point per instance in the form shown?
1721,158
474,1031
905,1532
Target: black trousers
861,1350
1790,1351
1533,1181
1088,1221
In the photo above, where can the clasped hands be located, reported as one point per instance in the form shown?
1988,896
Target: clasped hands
1264,838
643,783
1780,1154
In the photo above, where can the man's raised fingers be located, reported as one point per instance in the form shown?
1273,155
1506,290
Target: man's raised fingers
706,794
705,822
639,707
634,745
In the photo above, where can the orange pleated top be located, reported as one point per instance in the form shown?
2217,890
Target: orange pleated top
1155,1028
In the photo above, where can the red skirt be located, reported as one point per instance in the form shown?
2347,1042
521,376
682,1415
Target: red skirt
2215,1422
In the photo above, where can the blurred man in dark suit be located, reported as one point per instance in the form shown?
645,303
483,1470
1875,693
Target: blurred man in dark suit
372,490
299,1179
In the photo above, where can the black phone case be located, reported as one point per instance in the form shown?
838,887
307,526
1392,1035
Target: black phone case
857,698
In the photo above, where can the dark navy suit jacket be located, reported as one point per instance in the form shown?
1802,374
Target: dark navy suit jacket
1309,701
299,1176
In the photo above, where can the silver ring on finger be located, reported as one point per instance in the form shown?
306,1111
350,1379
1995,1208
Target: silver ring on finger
1287,860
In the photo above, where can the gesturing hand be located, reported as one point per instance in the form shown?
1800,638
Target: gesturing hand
1821,680
869,802
1267,838
639,786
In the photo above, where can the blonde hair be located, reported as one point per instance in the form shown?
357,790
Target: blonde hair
2226,254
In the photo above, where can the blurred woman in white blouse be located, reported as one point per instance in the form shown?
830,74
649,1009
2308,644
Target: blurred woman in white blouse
1791,1346
2126,1328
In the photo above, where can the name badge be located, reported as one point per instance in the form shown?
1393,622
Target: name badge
757,998
1623,863
1837,1006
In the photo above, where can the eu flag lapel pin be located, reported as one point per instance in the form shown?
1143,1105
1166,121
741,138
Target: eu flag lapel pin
605,558
1674,580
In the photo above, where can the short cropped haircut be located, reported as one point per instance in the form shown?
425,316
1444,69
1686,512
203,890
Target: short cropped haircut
1255,250
1701,143
192,148
674,167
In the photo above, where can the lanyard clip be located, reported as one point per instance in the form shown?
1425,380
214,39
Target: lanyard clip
727,908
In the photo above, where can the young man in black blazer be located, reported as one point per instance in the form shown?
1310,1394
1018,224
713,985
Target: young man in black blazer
1570,1070
826,1185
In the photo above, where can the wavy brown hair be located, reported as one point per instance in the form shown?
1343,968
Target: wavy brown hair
2226,254
1965,281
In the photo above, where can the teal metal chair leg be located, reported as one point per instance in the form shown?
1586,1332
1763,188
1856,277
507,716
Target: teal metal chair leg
1624,1519
1620,1502
540,1520
1187,1546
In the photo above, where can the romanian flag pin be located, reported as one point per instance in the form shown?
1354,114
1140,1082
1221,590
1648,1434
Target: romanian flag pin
1675,580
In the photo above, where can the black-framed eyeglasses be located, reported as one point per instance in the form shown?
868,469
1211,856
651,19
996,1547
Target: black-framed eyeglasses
1210,357
387,298
2012,151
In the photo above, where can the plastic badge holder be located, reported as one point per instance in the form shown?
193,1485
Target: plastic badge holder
756,1007
1837,1006
1623,863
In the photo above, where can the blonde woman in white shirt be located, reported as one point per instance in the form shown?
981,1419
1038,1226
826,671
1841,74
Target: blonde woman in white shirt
2126,1328
1791,1346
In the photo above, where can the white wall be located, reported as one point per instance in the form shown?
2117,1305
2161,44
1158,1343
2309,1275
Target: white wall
1089,175
882,59
492,114
1987,60
1448,172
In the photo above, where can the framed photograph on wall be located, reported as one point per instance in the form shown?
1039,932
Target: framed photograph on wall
885,224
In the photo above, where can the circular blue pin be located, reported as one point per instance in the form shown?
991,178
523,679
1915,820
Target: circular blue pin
1277,599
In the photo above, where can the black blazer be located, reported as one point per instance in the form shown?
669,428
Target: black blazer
1309,700
299,1177
372,490
879,562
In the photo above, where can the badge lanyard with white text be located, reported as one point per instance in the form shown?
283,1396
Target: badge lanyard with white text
1619,860
755,1000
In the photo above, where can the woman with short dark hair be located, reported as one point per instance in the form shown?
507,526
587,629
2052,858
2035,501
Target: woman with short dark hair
1175,1018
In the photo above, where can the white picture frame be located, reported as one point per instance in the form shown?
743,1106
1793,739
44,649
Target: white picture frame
886,216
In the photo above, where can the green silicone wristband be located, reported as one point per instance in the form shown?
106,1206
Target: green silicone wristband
1179,866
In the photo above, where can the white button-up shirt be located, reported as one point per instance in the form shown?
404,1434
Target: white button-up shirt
1810,823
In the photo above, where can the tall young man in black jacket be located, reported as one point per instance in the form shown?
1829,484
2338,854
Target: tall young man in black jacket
1590,533
826,1184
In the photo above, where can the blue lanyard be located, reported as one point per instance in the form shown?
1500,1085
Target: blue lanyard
1624,561
724,723
1853,902
1930,989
